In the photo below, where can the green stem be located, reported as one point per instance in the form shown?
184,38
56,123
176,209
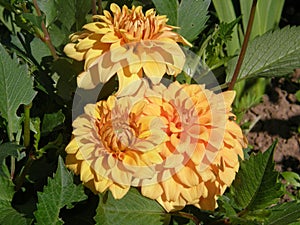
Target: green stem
94,7
99,7
20,179
244,46
12,159
46,37
12,167
187,216
27,125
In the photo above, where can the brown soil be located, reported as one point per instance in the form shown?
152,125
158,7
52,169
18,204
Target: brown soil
278,117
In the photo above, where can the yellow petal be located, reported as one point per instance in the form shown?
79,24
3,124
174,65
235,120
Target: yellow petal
125,82
109,37
94,27
188,177
71,51
85,172
154,71
72,147
152,191
117,191
85,44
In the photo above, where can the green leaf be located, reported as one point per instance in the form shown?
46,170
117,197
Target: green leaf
62,10
168,8
272,54
35,127
59,192
256,186
285,213
132,209
66,72
39,49
191,25
226,13
225,205
49,8
263,21
66,13
35,20
241,221
8,149
291,178
16,88
226,29
297,94
8,215
192,17
52,120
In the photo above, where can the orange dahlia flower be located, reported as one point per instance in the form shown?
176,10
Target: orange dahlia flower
130,43
176,143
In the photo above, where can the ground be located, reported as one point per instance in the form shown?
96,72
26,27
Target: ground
278,117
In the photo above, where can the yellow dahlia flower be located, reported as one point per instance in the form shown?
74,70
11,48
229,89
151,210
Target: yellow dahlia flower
177,143
130,43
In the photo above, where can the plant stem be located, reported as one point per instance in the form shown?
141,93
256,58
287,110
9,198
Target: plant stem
99,7
27,125
244,46
46,37
187,216
12,167
94,7
20,179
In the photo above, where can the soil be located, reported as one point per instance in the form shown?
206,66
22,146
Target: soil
278,117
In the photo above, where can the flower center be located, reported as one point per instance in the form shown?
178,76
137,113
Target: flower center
116,137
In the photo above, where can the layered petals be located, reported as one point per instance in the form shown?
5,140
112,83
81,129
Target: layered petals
126,42
177,143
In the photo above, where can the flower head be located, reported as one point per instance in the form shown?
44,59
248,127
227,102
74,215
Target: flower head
130,44
176,143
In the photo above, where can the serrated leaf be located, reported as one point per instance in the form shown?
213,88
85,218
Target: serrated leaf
59,192
285,213
132,209
8,149
168,8
191,25
226,29
225,206
192,17
16,87
226,13
52,120
35,127
8,215
272,54
256,186
241,221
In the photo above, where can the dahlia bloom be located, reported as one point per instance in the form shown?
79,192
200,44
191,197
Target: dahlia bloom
177,143
130,43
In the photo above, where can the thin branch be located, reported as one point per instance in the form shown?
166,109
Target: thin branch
187,216
21,178
46,37
244,46
94,7
99,7
27,125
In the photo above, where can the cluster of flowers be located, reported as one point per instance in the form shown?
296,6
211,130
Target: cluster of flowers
176,142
